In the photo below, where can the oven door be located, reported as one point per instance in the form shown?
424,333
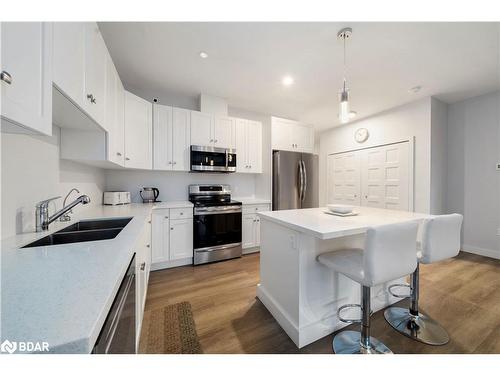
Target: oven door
214,227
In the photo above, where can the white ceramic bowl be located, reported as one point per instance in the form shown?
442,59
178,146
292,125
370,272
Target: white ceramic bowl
340,208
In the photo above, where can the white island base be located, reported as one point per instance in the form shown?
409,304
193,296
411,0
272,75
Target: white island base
302,294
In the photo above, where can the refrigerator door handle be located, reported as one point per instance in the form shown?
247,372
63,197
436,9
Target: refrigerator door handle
301,180
304,186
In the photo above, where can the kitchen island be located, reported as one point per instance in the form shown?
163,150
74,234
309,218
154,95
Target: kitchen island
301,294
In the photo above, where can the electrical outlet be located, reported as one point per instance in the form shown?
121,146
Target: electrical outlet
498,166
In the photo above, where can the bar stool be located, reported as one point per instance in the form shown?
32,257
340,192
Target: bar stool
388,254
440,240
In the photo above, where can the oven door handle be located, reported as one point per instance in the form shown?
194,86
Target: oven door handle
204,211
216,248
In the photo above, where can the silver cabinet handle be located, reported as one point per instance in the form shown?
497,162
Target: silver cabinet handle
174,162
215,140
171,228
127,158
148,245
143,265
119,154
182,213
6,77
211,140
166,217
169,162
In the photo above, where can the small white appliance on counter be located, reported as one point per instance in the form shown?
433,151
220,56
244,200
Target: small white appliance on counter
114,198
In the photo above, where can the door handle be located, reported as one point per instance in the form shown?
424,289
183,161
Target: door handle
301,180
6,77
304,173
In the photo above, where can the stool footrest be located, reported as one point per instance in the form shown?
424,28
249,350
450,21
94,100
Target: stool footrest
400,286
346,307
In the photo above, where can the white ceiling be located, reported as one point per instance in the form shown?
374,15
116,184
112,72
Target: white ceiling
452,61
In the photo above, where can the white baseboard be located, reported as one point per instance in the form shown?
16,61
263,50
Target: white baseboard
480,251
171,264
251,250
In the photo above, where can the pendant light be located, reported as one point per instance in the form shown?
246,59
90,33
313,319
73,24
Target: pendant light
344,112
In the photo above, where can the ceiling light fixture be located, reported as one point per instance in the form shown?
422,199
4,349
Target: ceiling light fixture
203,55
343,35
287,81
352,114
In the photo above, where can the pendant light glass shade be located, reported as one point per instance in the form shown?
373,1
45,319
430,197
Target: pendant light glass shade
344,105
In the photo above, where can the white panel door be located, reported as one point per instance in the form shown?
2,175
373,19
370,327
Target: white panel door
248,231
26,50
69,59
181,239
385,180
138,132
95,73
162,137
254,146
181,139
160,236
344,178
224,132
202,129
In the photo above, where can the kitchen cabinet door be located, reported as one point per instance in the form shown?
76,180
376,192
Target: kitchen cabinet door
162,137
181,239
241,146
138,132
254,146
95,73
114,114
26,77
181,139
302,137
281,134
69,60
257,231
160,236
224,132
248,231
148,244
202,129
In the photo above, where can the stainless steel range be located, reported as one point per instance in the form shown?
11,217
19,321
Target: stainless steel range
216,224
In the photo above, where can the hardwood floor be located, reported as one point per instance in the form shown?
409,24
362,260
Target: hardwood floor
463,294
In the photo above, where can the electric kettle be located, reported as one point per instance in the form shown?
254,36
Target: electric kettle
149,194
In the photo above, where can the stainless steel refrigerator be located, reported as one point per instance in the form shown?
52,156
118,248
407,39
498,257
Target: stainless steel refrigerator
295,180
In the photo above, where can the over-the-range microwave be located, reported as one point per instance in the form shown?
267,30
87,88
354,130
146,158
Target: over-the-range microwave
213,159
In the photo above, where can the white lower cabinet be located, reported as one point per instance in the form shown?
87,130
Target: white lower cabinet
172,237
142,268
250,230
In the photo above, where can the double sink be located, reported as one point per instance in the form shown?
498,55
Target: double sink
84,231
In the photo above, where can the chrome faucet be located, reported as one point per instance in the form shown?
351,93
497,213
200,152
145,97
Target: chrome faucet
66,216
42,211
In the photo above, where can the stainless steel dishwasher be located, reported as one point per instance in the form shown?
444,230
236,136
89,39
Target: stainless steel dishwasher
118,332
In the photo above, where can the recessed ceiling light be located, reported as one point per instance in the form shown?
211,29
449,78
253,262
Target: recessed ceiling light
352,114
287,81
415,89
203,55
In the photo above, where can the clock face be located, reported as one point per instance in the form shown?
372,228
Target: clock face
361,135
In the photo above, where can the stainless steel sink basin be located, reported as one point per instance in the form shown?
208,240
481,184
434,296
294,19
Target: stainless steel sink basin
96,224
83,231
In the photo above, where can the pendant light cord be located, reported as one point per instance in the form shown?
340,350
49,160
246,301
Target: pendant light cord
345,69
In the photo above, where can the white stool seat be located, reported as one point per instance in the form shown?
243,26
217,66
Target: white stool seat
346,261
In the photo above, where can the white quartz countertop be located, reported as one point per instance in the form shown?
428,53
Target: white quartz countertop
252,200
315,222
62,294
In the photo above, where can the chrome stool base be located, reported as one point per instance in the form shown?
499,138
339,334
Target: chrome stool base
349,342
420,328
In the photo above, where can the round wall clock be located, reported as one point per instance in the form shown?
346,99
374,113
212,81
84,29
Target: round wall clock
361,135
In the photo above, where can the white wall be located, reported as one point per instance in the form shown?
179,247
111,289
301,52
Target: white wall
32,171
398,124
439,156
473,183
173,186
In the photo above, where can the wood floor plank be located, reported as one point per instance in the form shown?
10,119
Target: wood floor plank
463,294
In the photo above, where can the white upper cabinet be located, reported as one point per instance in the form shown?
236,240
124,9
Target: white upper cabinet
95,73
289,135
248,146
138,132
201,129
26,77
80,66
114,114
171,138
210,130
223,132
69,59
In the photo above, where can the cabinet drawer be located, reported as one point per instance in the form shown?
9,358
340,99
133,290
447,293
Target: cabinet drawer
181,213
253,208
